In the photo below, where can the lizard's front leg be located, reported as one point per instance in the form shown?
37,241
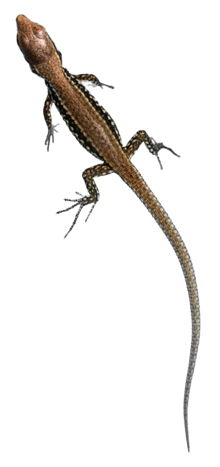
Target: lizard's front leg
51,125
91,79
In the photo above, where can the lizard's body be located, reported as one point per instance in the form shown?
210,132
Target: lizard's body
97,132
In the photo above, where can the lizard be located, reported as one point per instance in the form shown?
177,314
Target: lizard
97,133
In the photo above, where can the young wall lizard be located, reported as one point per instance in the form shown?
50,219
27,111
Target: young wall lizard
97,132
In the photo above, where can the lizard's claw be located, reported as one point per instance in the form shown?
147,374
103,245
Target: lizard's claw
81,202
158,146
50,135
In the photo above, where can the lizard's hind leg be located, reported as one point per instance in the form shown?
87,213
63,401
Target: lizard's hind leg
92,197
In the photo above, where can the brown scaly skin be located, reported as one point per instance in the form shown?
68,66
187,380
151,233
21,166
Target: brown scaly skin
85,116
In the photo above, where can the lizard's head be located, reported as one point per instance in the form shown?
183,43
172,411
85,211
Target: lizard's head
34,41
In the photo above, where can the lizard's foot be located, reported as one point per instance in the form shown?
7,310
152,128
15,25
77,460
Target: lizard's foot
81,202
50,135
158,147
